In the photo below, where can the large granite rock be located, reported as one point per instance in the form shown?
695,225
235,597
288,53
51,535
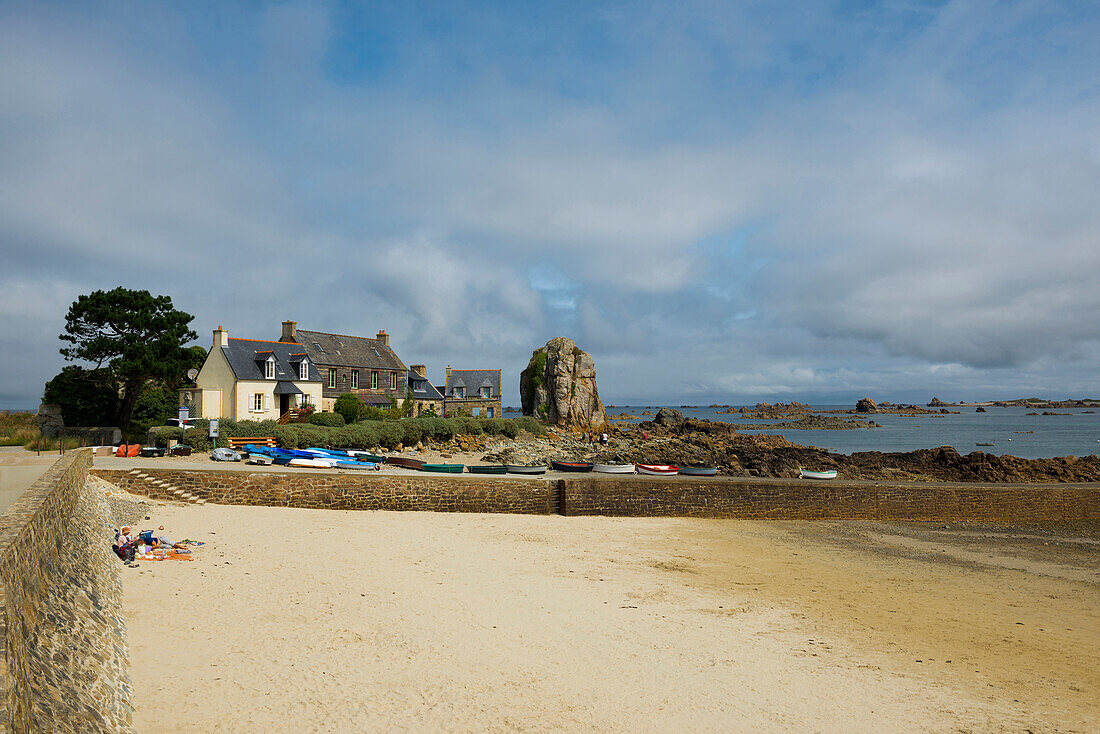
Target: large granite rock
866,405
668,417
559,386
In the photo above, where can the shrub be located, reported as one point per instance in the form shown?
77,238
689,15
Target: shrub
288,437
413,431
332,420
529,424
492,426
508,428
469,425
390,433
349,406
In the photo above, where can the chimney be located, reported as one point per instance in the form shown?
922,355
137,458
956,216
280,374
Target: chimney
290,331
383,337
448,375
419,369
221,337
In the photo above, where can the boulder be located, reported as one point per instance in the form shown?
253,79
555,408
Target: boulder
50,422
559,386
866,405
979,409
669,417
936,403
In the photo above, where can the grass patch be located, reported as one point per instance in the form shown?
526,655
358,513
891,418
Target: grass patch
18,428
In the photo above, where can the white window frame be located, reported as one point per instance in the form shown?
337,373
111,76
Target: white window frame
355,379
475,411
303,370
269,368
374,379
332,378
393,380
258,400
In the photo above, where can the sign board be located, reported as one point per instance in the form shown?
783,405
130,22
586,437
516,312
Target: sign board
213,428
184,412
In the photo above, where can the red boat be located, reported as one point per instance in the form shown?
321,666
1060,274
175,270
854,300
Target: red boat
658,469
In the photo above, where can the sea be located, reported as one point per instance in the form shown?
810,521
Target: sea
1010,429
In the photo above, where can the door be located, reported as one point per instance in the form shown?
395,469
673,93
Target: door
284,404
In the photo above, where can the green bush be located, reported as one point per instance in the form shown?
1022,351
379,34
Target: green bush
492,426
349,406
390,433
530,424
508,428
332,420
414,431
471,426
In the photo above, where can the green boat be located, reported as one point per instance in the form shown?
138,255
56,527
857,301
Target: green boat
443,468
364,456
488,469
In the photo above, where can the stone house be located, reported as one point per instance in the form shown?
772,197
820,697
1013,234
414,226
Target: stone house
366,367
472,392
252,379
425,395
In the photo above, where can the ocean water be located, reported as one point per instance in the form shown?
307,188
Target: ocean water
1011,431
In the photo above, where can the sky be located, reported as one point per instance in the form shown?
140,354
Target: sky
724,202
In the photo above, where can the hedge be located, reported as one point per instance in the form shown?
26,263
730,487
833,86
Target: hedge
366,434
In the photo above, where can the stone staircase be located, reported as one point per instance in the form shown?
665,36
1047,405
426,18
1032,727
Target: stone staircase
160,488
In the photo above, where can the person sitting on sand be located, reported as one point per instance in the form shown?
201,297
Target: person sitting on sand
124,546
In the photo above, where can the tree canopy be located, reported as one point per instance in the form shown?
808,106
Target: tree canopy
139,336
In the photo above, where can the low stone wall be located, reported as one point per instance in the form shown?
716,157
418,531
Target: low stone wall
66,658
721,497
305,488
809,500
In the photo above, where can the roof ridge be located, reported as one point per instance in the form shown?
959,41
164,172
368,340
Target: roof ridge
345,336
263,341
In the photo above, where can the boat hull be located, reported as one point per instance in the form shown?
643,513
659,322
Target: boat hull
819,475
443,468
520,469
572,466
366,465
658,470
698,471
312,463
405,463
490,469
613,468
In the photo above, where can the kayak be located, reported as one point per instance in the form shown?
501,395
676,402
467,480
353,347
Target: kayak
658,469
356,465
314,463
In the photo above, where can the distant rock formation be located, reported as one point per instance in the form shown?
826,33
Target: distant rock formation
669,417
937,403
559,386
979,409
866,405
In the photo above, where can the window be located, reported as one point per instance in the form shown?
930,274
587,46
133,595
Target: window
489,412
485,392
475,412
303,370
459,392
355,379
258,402
332,377
374,380
393,380
269,368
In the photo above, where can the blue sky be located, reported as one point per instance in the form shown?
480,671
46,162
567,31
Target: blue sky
722,202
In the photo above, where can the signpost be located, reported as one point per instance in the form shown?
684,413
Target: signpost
184,412
213,428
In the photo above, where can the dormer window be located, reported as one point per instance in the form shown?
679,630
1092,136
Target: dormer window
460,392
485,392
269,368
303,369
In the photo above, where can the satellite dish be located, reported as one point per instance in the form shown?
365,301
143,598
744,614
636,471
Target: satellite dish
192,373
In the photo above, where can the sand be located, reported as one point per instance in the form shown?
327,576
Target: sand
310,620
19,469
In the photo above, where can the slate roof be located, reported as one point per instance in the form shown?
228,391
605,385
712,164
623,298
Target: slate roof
473,381
347,351
246,357
422,388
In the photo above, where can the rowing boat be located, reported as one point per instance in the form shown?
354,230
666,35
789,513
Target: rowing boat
613,468
807,474
404,463
488,469
698,471
570,466
661,470
523,469
443,468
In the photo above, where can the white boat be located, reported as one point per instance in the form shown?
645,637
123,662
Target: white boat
613,468
260,459
314,463
660,470
807,474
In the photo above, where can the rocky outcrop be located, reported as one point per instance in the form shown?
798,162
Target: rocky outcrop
866,405
559,386
669,417
937,403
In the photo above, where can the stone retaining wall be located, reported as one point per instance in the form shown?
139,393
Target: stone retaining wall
305,488
66,658
809,500
722,497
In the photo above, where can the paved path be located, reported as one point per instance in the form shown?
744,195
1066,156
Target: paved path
19,469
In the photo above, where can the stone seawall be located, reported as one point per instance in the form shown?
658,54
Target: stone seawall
305,488
66,658
722,497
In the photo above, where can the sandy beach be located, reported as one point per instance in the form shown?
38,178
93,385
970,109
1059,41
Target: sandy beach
308,620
